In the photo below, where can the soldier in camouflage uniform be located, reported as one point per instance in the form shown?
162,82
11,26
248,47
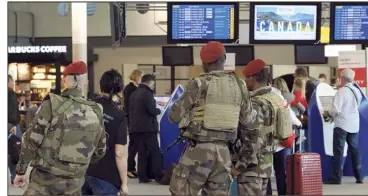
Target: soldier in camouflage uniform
66,135
208,114
255,156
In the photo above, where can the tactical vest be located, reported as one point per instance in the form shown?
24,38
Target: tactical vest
215,115
279,126
72,136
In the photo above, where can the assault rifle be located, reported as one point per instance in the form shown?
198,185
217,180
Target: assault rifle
178,139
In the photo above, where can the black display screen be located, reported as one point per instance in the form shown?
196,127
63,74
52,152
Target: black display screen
243,53
310,54
177,55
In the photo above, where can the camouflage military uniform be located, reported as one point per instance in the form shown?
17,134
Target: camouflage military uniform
205,164
60,147
255,161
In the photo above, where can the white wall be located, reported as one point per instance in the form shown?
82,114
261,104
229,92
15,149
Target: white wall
48,23
314,71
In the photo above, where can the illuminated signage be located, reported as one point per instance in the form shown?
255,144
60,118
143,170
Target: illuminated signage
285,22
36,49
325,35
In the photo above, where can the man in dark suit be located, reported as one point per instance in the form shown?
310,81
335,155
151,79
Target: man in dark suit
143,126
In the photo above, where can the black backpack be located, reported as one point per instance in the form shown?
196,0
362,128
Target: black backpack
14,146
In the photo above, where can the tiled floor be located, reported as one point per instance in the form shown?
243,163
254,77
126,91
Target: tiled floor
347,188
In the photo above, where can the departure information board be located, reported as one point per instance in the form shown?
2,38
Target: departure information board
202,22
351,22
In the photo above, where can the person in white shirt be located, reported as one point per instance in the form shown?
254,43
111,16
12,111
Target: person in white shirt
344,112
279,157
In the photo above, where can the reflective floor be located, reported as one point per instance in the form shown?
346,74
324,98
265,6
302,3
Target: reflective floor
347,188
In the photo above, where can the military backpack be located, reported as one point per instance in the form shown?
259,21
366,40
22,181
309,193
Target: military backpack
281,125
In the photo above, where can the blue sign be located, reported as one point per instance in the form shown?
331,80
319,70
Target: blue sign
351,22
203,22
169,131
63,9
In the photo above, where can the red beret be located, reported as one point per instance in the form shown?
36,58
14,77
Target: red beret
212,51
253,67
78,68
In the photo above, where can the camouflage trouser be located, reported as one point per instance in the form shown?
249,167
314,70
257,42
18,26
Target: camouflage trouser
248,185
44,183
205,166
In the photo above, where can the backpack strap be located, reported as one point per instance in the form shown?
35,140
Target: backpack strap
240,83
198,111
95,107
356,98
60,108
267,129
40,153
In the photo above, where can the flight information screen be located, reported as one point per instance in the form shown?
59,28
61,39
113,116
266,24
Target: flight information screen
202,22
351,22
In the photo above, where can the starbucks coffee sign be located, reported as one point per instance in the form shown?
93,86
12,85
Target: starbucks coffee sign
36,49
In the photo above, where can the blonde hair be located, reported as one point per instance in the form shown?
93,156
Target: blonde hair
300,84
135,75
281,85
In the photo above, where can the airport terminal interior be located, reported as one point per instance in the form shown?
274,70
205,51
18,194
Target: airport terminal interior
167,39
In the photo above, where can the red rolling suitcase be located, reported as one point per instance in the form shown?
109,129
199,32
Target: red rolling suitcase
304,174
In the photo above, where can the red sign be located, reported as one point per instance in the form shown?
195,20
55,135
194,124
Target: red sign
360,76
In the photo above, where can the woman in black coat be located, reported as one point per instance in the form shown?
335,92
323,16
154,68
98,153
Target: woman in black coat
135,78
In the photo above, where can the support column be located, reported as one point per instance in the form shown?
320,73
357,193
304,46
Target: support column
79,32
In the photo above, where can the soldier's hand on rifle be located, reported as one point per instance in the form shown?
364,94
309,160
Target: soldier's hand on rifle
234,172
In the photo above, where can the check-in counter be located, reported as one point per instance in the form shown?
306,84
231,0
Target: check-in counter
320,134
